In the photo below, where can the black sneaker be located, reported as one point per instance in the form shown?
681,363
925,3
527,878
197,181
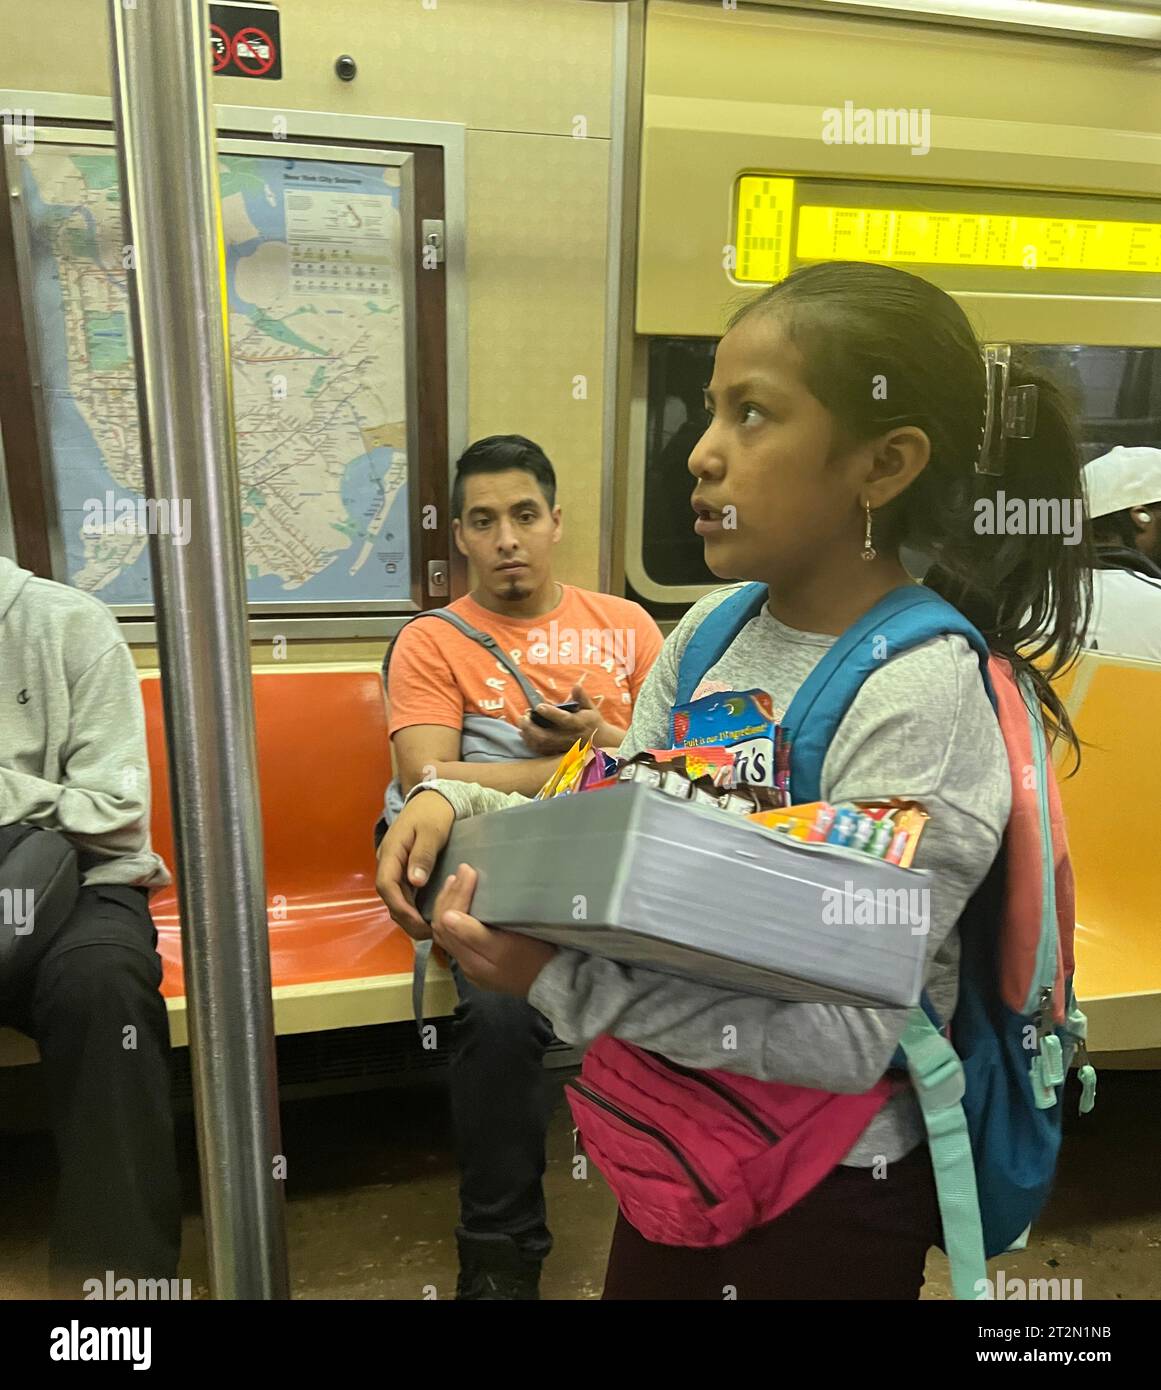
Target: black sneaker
493,1267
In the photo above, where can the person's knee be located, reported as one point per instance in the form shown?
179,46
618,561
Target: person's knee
508,1024
103,984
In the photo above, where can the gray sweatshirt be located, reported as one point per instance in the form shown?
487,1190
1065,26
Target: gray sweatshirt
920,727
72,728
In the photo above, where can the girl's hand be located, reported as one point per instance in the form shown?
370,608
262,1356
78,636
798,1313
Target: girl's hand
407,856
497,960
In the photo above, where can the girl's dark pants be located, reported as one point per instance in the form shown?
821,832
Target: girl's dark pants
854,1236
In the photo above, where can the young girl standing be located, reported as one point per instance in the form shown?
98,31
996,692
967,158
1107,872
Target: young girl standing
846,412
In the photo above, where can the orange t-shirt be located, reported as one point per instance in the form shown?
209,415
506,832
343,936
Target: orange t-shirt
437,675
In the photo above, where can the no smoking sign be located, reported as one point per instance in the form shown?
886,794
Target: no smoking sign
245,40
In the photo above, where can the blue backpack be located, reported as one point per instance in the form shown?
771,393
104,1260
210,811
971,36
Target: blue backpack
991,1093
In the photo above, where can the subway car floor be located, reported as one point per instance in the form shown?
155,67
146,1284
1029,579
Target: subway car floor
372,1201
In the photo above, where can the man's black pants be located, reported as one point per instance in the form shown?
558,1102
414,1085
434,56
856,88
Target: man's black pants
501,1107
94,1009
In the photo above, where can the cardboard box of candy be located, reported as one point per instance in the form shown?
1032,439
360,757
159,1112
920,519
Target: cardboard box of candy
645,878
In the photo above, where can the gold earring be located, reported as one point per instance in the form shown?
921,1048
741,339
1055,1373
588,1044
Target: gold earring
869,551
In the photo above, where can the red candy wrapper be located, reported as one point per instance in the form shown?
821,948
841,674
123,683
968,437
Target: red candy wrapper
715,763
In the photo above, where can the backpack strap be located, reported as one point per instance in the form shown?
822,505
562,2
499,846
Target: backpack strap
905,618
938,1078
531,694
534,698
713,636
1048,952
1050,1061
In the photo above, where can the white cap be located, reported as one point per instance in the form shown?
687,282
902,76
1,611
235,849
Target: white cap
1123,478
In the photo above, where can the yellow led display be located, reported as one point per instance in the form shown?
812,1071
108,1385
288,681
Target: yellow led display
975,238
773,235
765,210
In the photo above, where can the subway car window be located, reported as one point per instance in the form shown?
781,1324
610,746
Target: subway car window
1116,391
679,371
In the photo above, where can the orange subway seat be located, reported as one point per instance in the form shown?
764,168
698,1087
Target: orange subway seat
324,760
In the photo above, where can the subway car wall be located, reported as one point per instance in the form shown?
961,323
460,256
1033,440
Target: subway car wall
451,220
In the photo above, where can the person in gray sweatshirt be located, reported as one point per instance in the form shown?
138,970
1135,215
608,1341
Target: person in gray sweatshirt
73,760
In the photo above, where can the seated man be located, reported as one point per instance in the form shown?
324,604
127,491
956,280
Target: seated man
1123,490
73,759
443,690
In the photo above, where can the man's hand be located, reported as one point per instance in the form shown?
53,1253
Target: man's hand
408,854
566,728
497,960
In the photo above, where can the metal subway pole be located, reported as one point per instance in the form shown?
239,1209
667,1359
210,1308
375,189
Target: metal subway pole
172,216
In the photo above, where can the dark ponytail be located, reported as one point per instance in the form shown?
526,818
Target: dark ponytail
883,348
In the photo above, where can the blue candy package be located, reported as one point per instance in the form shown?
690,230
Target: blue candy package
740,720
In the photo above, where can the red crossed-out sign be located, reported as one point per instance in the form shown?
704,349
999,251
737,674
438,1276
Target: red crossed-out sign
245,40
220,45
253,51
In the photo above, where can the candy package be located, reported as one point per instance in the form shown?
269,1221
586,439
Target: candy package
715,763
578,770
887,830
693,775
568,771
599,767
741,722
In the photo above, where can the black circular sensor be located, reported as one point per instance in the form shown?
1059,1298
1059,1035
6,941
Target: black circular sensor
346,68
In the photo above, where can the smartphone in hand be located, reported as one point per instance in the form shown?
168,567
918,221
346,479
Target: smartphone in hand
569,707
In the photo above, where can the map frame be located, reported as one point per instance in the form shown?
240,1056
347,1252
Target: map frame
321,611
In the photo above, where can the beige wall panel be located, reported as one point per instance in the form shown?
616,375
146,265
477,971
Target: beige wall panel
491,64
536,304
62,47
736,90
765,56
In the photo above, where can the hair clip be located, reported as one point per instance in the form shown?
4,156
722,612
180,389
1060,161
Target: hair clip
1009,412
